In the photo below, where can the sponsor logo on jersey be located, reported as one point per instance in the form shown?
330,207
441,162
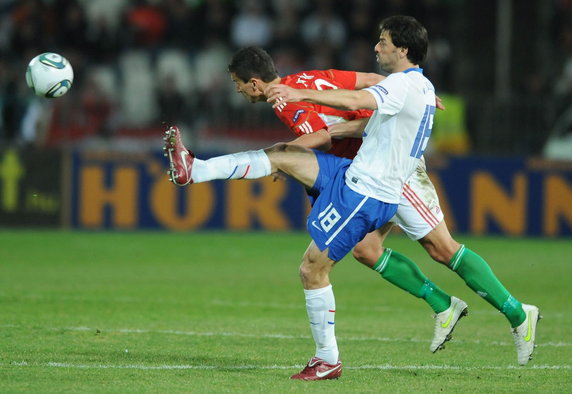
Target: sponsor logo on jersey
297,115
316,225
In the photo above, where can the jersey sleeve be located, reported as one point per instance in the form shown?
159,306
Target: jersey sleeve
300,119
390,94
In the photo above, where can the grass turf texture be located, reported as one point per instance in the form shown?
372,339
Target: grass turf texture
223,312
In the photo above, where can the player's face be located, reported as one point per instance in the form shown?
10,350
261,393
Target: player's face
248,89
387,54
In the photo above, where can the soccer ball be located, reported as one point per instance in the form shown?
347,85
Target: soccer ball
49,75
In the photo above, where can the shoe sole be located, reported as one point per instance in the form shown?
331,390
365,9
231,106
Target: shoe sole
172,172
449,336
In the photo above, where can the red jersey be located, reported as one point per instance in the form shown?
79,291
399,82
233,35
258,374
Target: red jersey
306,118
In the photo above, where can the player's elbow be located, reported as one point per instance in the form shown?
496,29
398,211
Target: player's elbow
326,145
354,105
321,140
360,99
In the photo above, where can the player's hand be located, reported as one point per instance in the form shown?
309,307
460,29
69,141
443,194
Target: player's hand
279,94
439,103
278,176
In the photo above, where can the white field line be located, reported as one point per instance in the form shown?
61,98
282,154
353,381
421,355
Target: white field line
279,367
246,304
274,336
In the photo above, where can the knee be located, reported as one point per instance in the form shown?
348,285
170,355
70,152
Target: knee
305,272
282,147
276,148
309,268
314,273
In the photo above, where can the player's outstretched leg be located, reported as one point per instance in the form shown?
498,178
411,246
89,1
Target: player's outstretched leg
185,169
525,334
446,322
180,158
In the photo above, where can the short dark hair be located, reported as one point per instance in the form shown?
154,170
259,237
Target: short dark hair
253,62
407,32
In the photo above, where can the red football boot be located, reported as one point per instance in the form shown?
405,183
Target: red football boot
180,158
318,369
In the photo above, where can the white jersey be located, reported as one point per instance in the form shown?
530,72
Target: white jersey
395,136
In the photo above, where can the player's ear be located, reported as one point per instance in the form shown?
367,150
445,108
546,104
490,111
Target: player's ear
256,85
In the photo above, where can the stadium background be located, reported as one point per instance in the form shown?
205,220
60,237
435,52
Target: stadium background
501,154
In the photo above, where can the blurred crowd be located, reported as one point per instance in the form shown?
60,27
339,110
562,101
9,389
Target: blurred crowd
138,63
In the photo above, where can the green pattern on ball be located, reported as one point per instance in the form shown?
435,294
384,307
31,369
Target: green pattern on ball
52,63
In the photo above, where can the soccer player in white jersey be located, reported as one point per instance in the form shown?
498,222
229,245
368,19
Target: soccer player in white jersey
253,70
351,202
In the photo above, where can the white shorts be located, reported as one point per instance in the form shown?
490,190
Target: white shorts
418,212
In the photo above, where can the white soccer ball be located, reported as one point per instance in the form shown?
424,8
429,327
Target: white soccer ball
49,75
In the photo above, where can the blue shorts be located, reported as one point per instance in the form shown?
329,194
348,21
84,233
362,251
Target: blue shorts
341,217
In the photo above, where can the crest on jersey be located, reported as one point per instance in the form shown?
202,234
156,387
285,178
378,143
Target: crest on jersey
297,115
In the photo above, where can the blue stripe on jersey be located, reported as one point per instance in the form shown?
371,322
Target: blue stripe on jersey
423,133
377,90
418,69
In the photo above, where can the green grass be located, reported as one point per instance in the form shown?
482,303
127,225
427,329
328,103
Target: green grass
220,312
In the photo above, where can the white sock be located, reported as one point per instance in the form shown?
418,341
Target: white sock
321,307
243,165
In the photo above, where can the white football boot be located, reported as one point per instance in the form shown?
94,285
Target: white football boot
525,333
446,322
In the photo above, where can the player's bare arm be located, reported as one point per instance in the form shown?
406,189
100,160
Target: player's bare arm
349,100
365,80
350,129
317,140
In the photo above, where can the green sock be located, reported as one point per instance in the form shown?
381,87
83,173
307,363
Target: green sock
479,276
405,274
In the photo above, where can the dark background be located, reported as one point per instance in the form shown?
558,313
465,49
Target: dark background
138,63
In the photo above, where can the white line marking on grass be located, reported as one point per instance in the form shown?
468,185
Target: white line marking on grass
274,336
284,367
167,367
457,367
189,333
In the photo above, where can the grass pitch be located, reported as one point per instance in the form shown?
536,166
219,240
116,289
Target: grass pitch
221,312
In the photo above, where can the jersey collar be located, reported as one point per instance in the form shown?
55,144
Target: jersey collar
418,69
